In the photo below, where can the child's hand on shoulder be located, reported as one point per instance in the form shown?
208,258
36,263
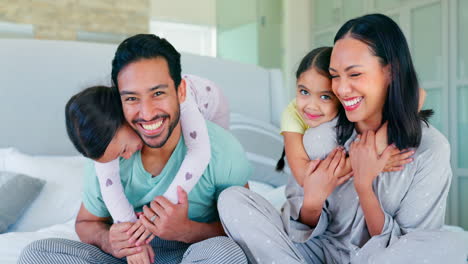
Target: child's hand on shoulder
381,138
398,157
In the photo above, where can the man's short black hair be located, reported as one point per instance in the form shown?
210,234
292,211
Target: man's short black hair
146,46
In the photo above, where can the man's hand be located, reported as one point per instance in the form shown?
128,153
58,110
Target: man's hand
171,221
140,234
99,231
119,244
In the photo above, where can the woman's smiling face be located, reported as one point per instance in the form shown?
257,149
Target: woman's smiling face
359,81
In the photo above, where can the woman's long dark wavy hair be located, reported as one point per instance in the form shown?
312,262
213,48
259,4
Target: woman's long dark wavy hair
319,59
387,42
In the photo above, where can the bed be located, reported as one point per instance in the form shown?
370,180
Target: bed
39,76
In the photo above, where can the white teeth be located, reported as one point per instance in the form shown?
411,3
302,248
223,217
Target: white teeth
153,126
353,102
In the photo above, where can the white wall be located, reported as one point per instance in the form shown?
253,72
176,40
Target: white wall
297,28
184,11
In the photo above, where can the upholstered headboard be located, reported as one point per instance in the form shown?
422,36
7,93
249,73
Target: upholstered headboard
37,77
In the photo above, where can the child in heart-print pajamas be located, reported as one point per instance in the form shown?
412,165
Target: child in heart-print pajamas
204,100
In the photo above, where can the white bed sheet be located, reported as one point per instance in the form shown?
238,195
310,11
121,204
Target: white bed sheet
11,244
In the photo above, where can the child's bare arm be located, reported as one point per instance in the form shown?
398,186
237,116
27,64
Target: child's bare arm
146,256
398,157
422,98
296,155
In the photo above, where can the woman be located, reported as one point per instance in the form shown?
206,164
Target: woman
374,217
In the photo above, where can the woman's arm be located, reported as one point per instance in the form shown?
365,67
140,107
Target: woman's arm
367,165
296,155
373,213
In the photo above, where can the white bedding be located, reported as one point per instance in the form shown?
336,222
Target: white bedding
12,243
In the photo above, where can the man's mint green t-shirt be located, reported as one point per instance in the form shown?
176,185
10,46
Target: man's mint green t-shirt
228,167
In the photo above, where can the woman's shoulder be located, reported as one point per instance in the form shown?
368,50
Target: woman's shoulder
432,157
431,165
433,140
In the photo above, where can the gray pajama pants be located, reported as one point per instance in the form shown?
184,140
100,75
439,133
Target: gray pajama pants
58,250
259,229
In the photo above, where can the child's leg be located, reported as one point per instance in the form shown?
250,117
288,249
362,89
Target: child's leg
198,149
210,100
113,193
221,115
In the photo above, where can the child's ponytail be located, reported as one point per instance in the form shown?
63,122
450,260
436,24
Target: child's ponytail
281,162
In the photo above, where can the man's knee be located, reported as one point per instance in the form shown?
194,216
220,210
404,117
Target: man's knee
215,250
30,252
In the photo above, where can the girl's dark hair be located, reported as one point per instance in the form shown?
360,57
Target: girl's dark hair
92,118
146,46
387,42
319,59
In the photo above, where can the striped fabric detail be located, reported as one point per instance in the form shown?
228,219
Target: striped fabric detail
58,250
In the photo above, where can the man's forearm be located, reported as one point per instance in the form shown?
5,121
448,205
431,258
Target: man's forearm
201,231
94,232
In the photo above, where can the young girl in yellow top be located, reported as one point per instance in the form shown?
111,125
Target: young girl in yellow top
308,122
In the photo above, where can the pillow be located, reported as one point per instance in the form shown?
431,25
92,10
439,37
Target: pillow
4,152
60,198
17,192
275,195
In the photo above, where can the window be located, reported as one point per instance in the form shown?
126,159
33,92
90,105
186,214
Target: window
15,30
196,39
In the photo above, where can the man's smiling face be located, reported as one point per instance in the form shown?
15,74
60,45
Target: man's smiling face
150,100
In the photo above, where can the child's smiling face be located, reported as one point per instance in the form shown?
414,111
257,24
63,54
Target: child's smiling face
124,144
315,99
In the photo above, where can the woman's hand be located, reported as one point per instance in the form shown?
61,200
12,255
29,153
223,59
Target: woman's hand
322,179
367,164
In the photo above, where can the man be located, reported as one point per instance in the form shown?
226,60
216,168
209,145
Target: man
146,72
